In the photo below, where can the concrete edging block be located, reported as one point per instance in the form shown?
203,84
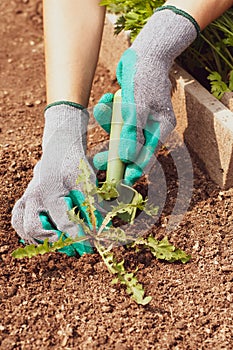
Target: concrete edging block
204,122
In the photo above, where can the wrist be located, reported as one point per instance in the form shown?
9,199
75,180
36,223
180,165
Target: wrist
165,36
65,122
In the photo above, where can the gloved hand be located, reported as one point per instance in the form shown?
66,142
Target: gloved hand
143,74
42,211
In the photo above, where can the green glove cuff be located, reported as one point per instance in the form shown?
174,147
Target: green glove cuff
182,13
68,103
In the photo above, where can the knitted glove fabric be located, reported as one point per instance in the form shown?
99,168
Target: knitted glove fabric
143,74
42,211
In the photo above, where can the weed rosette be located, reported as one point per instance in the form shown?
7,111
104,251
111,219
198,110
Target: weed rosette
167,179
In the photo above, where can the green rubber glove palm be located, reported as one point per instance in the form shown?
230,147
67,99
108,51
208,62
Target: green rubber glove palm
74,199
143,75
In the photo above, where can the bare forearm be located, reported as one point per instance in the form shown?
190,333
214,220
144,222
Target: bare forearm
72,31
203,11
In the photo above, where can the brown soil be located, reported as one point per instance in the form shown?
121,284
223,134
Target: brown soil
57,302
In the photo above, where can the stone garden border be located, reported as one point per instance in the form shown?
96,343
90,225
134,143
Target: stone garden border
205,123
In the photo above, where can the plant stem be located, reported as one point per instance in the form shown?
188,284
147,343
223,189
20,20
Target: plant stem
115,167
217,51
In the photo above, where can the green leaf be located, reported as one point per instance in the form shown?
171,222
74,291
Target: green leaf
228,41
133,288
150,210
166,251
231,81
89,190
32,250
218,87
133,13
75,218
108,190
114,235
115,280
163,250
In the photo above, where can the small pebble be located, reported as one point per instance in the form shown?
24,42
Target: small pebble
29,104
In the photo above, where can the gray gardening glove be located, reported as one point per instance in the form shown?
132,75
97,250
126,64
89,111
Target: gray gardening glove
42,211
143,74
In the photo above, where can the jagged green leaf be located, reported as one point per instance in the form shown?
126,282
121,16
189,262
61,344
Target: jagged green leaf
150,210
75,218
163,249
84,178
133,287
113,234
33,250
89,190
218,86
129,209
108,190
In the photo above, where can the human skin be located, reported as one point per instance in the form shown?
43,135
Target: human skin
204,12
72,35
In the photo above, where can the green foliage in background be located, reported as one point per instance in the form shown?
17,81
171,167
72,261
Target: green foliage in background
133,14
